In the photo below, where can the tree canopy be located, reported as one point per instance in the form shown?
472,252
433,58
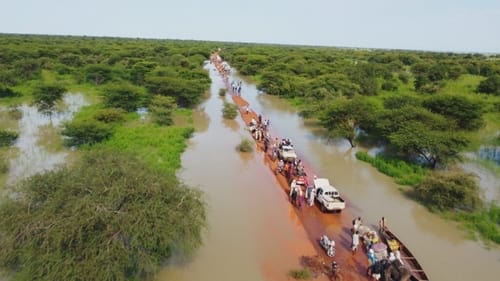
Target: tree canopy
107,217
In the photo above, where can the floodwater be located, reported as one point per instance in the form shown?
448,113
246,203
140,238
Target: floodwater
33,157
255,234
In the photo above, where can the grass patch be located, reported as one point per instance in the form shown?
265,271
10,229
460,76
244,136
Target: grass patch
160,147
300,274
402,172
485,223
245,145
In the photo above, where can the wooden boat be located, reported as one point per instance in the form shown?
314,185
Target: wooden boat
393,242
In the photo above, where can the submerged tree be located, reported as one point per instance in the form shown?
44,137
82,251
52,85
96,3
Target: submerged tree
108,217
46,96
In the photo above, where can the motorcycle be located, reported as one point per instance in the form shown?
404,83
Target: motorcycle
328,245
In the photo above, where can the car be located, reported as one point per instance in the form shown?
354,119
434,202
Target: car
327,196
287,153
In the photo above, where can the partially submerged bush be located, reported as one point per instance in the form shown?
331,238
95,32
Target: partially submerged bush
222,92
7,138
245,145
300,274
230,111
86,132
110,115
447,190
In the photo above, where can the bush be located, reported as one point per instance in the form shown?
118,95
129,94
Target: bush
86,132
449,190
107,217
110,115
300,274
389,86
485,222
230,111
124,96
222,92
7,138
245,145
490,85
6,92
161,108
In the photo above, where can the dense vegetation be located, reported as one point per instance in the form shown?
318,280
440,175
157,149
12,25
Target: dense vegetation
107,217
424,108
118,211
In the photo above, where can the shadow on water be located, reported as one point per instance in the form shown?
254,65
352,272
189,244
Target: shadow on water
33,156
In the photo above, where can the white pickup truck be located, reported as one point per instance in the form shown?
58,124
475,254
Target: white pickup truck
328,196
287,153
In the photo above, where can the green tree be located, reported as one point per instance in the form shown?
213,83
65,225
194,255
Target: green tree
97,73
490,85
161,108
45,96
230,111
108,217
124,95
343,117
465,112
79,132
432,146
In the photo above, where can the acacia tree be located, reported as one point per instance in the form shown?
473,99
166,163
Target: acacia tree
342,117
161,108
108,217
46,96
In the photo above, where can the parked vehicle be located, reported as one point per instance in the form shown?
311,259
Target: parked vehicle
287,153
328,196
327,245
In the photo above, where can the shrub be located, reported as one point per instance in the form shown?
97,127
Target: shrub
245,145
124,96
6,92
86,132
300,274
230,111
110,115
161,108
222,92
7,138
448,190
389,86
490,85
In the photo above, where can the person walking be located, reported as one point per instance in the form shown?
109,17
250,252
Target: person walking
382,225
355,241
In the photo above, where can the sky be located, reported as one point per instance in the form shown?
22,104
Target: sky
434,25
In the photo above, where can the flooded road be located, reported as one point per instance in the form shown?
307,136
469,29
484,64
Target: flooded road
255,235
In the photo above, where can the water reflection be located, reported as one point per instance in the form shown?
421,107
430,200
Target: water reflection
32,157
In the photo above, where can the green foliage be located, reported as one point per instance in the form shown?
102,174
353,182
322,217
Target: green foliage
123,95
7,92
343,117
108,217
7,138
432,146
159,147
402,172
490,85
245,145
465,112
389,86
98,74
230,111
110,115
300,274
79,132
222,92
45,96
484,222
161,108
449,190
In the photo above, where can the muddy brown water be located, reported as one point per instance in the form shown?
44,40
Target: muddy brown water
254,233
